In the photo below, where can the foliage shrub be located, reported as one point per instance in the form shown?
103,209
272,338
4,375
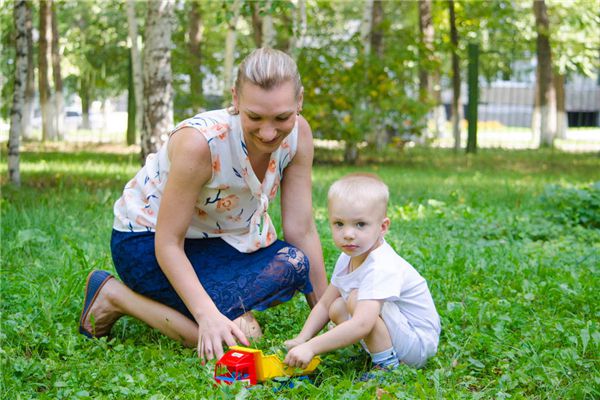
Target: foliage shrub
573,205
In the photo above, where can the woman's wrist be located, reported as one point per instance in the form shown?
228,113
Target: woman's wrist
205,312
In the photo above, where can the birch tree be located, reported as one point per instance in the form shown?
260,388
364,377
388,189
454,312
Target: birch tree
16,115
544,115
30,84
299,29
366,25
57,97
43,60
158,89
230,39
136,66
429,83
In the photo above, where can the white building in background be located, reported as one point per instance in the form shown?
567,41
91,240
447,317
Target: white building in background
511,102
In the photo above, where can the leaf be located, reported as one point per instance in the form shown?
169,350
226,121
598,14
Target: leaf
585,338
476,363
26,236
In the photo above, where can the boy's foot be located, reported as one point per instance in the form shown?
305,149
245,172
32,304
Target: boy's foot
377,372
96,304
249,325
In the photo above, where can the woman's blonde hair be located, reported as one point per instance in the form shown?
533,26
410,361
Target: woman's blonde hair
268,68
361,189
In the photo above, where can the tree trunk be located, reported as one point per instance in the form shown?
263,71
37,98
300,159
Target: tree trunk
85,93
158,89
257,24
268,32
16,114
544,122
439,111
426,84
427,32
377,29
457,112
30,85
350,153
377,48
366,31
131,114
230,48
299,29
195,32
562,123
136,69
366,27
59,107
43,57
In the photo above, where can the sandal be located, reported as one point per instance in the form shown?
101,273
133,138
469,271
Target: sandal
95,282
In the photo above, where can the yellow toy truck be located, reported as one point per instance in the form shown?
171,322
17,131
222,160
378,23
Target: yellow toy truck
251,366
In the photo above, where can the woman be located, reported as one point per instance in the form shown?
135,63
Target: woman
192,240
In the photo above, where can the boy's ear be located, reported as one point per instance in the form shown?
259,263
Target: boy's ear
385,225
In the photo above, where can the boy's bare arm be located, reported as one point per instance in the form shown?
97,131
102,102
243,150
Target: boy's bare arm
317,319
347,333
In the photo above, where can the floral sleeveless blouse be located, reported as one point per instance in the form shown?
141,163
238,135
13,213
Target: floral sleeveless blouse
232,205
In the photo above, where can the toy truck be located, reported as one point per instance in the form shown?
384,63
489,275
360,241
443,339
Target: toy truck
251,366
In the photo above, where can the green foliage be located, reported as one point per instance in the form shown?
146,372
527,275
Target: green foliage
349,95
499,237
573,205
95,44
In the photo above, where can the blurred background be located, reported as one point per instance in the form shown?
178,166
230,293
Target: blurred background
377,74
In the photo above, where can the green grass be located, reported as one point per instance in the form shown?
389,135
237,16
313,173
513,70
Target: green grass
508,241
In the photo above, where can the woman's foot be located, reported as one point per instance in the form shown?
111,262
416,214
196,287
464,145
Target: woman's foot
249,325
99,314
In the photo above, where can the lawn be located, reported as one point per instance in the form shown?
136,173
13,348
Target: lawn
508,241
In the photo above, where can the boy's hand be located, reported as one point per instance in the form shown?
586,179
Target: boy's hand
290,344
300,356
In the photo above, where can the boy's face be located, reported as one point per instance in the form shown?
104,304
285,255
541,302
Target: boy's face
357,228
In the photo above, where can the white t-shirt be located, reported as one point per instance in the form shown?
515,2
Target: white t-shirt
408,304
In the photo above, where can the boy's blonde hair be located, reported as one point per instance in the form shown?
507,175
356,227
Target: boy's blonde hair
268,68
361,189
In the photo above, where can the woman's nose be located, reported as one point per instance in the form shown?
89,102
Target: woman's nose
267,133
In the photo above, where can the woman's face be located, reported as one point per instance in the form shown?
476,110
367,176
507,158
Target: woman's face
267,116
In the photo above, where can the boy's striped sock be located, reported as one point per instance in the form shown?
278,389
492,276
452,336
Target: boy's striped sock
386,359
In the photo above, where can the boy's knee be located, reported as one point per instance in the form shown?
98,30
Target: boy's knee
338,312
351,303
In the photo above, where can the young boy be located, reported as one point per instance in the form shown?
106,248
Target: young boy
375,296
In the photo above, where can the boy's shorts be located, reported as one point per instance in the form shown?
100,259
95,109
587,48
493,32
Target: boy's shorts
412,345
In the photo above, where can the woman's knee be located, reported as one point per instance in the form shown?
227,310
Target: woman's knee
295,259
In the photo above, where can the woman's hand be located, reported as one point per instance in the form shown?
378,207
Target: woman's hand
299,356
213,330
